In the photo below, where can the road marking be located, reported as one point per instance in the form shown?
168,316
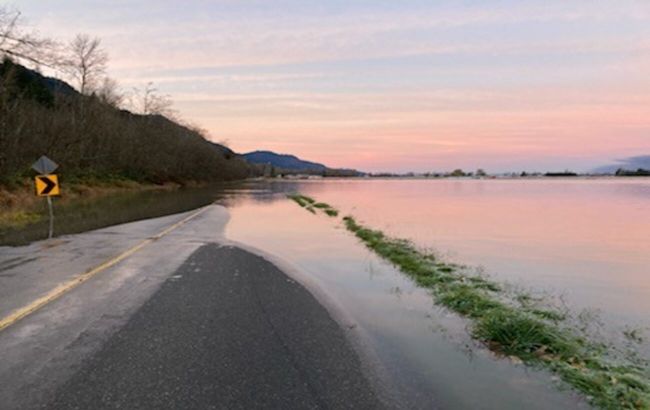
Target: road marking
65,287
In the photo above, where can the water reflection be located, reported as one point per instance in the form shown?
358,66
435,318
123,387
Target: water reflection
587,239
83,215
425,350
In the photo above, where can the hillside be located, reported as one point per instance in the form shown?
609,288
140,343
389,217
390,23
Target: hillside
90,138
290,164
284,161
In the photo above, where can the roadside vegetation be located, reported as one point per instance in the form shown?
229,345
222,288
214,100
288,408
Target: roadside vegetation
516,327
19,207
56,99
95,131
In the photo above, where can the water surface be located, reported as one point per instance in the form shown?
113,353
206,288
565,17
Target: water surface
587,240
94,212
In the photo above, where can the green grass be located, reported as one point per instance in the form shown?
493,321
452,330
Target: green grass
299,199
520,329
18,219
332,212
311,205
531,335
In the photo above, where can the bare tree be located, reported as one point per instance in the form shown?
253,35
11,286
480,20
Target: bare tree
86,62
109,92
149,102
22,46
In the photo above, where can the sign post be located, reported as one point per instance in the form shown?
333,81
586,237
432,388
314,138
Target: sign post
50,232
47,185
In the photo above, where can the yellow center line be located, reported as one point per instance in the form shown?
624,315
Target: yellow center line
65,287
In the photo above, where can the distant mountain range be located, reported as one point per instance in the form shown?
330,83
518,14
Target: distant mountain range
285,163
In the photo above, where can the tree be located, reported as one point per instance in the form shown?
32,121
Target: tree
480,172
85,62
458,173
109,93
149,102
17,46
22,46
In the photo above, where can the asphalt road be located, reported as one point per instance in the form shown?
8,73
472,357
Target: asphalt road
227,330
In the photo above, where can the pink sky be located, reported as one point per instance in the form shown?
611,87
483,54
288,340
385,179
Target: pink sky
393,86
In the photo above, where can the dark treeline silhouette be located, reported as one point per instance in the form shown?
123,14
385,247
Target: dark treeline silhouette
90,138
84,127
640,172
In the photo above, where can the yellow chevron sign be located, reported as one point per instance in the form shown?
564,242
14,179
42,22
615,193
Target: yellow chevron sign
47,185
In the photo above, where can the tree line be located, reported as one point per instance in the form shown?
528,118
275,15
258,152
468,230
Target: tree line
93,128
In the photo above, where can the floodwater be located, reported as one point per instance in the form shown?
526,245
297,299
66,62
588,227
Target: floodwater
90,213
585,240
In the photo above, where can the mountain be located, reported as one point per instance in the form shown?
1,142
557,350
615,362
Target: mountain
32,85
284,161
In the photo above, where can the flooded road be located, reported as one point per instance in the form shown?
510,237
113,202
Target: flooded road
97,212
582,243
425,351
585,240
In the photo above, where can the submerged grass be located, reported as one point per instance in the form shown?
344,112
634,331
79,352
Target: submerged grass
528,334
311,205
304,201
332,212
522,331
299,199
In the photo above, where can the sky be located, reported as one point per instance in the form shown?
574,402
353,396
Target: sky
385,85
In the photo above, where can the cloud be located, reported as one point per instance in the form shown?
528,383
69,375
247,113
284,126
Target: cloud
452,81
148,34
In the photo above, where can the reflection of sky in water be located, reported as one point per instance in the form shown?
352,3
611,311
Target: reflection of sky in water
426,351
586,239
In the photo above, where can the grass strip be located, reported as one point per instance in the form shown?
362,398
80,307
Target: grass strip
522,332
332,212
311,205
530,335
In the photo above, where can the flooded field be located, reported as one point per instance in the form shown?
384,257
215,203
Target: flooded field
424,351
588,240
582,243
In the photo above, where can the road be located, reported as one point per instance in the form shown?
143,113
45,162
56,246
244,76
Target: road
186,321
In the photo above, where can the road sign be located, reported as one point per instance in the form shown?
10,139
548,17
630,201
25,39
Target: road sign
44,165
47,185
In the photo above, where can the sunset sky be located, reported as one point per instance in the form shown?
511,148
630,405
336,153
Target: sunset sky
388,85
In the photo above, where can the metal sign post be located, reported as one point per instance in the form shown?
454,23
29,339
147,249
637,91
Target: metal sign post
51,230
47,185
